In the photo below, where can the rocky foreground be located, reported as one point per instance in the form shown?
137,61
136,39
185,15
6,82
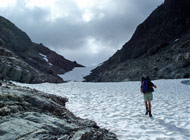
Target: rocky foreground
27,114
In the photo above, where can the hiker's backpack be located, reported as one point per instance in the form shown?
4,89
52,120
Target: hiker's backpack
146,86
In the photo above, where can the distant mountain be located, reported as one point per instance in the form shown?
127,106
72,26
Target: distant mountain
28,58
160,47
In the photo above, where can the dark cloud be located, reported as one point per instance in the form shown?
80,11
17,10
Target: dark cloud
92,42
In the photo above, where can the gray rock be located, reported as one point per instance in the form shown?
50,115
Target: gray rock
186,82
14,68
30,114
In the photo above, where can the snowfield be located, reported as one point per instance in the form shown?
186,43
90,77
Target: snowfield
77,74
119,107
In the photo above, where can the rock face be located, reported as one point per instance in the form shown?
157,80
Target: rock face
37,56
30,114
160,47
14,68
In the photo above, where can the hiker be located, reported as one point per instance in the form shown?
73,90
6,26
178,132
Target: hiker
147,89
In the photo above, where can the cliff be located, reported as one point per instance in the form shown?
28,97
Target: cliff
44,61
160,47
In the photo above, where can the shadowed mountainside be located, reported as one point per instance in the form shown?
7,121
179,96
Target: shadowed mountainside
37,56
160,47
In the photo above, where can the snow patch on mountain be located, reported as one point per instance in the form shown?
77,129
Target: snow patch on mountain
45,58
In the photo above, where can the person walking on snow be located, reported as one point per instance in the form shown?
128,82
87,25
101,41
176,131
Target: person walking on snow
147,89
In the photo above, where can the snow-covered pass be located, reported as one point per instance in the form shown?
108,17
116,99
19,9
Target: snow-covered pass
119,107
77,74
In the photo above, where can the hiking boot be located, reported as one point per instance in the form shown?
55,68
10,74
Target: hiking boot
146,111
150,115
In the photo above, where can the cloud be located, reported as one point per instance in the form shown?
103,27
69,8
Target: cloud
88,31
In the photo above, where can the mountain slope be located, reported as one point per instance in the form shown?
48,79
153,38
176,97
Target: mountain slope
160,47
44,60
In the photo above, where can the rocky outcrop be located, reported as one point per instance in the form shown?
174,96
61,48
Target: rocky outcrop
39,57
14,68
30,114
159,47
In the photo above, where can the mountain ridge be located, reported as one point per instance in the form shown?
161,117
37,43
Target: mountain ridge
47,62
153,42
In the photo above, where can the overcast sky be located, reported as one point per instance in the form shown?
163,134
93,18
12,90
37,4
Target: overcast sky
86,31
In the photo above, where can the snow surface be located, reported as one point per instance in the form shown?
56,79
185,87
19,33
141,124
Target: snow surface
119,107
77,74
45,58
